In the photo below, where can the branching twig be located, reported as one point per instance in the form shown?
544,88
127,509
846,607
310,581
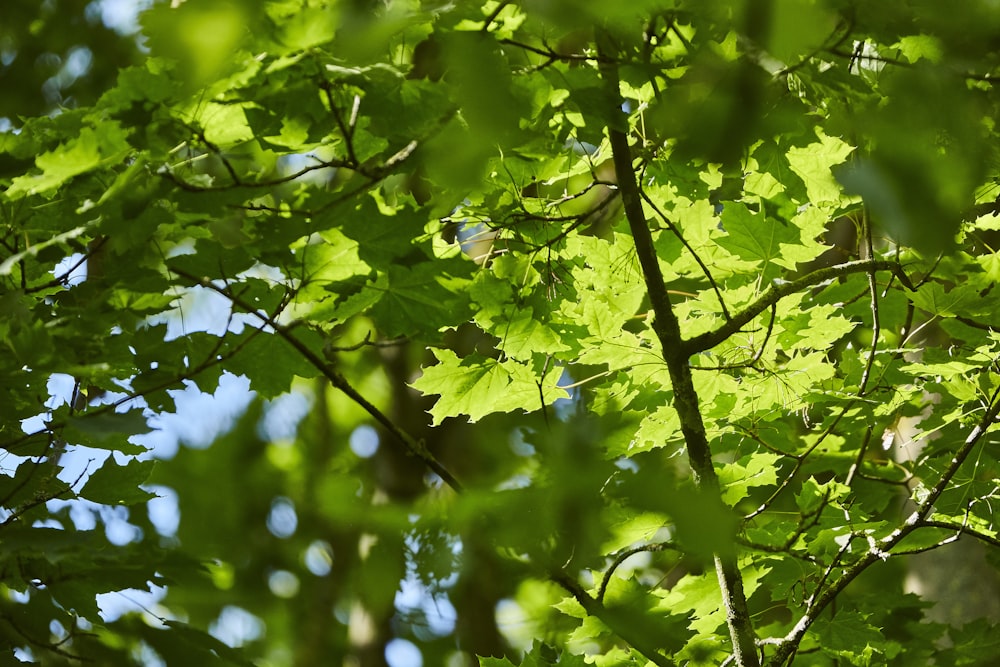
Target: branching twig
281,180
777,291
218,152
549,53
346,132
837,41
881,549
961,529
64,276
757,355
800,461
54,648
42,497
367,342
806,521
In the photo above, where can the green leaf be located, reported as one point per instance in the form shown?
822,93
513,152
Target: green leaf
107,430
640,528
540,655
26,485
751,471
762,239
55,544
815,328
272,363
205,641
112,484
659,428
93,148
301,27
813,495
477,386
849,635
524,336
938,299
813,165
423,299
915,47
975,641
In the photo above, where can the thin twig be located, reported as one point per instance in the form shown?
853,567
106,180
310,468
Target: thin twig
647,646
677,232
414,446
757,355
873,287
488,21
621,558
281,180
344,131
549,53
367,342
962,529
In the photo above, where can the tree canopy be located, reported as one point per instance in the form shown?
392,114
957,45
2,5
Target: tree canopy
553,333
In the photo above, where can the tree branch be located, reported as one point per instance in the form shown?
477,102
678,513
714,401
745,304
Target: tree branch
961,529
493,16
777,291
676,355
869,249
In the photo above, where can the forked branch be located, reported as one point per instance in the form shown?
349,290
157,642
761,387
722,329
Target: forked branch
676,355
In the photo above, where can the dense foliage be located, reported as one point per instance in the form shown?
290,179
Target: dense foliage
560,333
